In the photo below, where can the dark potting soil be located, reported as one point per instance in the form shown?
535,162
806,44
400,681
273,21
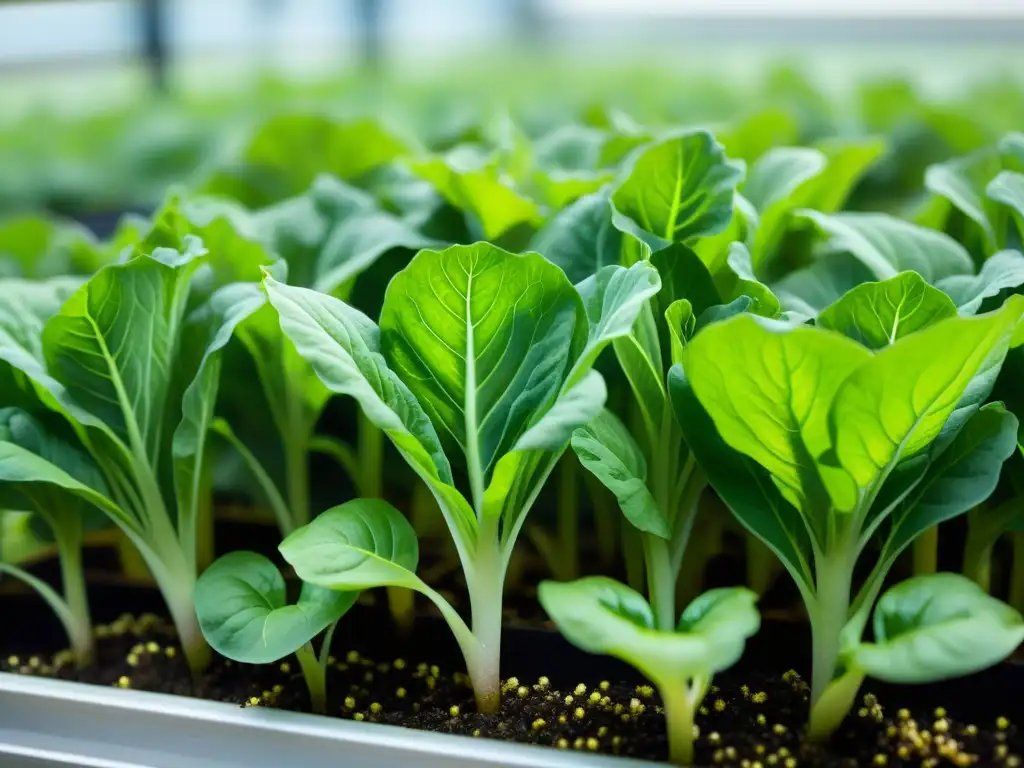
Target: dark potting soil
751,718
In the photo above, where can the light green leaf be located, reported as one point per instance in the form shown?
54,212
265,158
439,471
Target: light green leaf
935,627
678,189
484,339
684,276
778,174
39,247
344,348
114,343
962,181
243,610
1002,270
580,238
479,190
358,545
768,391
600,615
877,314
288,151
960,478
824,282
887,245
607,450
681,327
613,299
1008,188
745,487
720,312
739,280
1012,146
803,183
894,405
756,134
574,406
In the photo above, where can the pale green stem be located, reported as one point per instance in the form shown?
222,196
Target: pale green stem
340,452
828,615
69,549
568,517
402,606
1017,573
370,454
926,552
661,582
316,677
296,455
486,585
680,701
176,581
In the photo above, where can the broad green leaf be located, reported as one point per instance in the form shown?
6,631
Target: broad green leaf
287,152
727,616
1002,270
478,189
613,299
745,487
768,391
738,281
39,247
960,478
895,404
574,406
757,134
1008,188
779,172
484,339
679,189
887,245
720,312
361,544
935,627
243,610
607,450
600,615
580,238
877,314
113,345
962,181
805,184
824,282
22,467
344,348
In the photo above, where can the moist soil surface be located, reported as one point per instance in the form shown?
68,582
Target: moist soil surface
750,718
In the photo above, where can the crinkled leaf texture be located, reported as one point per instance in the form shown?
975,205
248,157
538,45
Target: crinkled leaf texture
243,610
938,626
600,615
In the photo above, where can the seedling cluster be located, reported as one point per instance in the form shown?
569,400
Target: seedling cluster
690,325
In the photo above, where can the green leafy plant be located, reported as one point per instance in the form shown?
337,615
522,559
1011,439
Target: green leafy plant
482,354
244,614
136,380
817,445
600,615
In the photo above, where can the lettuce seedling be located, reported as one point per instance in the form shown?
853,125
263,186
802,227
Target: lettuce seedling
600,615
136,380
483,355
244,614
818,444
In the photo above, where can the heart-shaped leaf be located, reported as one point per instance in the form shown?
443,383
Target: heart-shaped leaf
243,610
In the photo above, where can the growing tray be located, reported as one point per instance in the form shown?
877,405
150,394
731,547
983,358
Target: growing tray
47,722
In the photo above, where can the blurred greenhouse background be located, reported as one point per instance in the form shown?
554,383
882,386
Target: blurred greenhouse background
104,103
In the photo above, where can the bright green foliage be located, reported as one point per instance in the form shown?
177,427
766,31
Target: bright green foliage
244,615
483,355
841,444
600,615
